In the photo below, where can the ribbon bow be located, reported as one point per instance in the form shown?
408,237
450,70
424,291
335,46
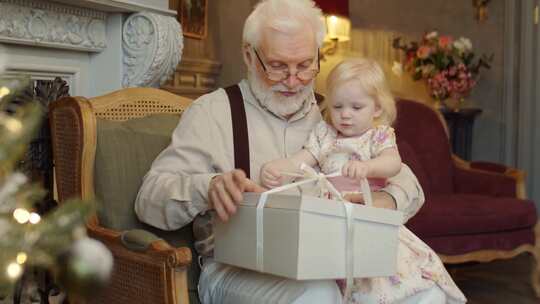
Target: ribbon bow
310,175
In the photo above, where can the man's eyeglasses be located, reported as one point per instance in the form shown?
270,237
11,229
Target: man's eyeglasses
281,75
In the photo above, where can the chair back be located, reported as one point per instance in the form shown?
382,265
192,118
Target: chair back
131,132
104,146
110,145
423,145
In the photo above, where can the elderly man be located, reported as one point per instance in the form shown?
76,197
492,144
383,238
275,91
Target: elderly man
197,172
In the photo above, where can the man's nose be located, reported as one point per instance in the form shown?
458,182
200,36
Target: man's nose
292,82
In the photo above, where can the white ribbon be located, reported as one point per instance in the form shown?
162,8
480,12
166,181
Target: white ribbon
310,175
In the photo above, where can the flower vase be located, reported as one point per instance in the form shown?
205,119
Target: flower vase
438,104
453,104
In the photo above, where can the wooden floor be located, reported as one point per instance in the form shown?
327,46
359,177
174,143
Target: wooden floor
498,282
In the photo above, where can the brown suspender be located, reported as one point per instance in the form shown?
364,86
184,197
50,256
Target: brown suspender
240,129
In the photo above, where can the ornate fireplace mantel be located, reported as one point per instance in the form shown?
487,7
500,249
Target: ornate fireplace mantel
41,23
140,50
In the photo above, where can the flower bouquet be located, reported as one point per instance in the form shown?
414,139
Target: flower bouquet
448,66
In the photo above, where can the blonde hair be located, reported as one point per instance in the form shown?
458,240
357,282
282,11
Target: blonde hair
285,16
370,76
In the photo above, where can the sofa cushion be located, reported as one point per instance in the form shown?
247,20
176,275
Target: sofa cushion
463,244
466,214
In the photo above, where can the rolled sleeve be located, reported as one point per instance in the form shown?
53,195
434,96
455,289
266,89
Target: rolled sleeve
406,191
175,190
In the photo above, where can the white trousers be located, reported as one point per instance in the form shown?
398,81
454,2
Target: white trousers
222,284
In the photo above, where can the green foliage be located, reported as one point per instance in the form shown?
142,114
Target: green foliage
41,240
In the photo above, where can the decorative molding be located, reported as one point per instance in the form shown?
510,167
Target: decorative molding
194,77
123,6
70,74
152,46
48,91
44,23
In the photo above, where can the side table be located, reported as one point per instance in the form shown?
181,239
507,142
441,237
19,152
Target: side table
460,125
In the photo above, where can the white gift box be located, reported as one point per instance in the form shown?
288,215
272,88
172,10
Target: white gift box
305,238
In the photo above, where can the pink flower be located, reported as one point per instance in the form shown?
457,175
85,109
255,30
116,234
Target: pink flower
431,35
445,42
423,52
446,65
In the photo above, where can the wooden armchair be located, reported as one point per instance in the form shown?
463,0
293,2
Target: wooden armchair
102,148
474,211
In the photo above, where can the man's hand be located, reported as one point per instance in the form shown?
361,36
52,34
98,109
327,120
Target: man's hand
381,199
226,191
270,175
355,169
271,172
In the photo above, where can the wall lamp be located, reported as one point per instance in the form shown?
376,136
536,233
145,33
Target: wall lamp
338,24
338,29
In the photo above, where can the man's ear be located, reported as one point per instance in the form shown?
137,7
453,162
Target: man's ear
247,55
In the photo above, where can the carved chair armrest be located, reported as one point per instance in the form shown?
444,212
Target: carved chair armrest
155,275
488,179
159,249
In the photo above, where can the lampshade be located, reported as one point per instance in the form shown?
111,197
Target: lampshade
334,7
338,27
336,12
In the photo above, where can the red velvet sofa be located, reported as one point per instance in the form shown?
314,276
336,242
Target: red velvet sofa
473,211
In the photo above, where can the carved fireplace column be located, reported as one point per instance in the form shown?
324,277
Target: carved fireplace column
152,47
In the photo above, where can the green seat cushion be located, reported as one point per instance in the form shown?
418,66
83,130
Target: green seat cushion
124,154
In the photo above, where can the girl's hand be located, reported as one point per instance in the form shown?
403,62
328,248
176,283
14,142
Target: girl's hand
355,169
272,172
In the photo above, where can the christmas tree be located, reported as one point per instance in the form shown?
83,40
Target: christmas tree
55,241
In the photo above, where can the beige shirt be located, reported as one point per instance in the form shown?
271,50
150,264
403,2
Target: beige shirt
175,189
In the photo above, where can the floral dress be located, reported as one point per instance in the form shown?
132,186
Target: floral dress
418,268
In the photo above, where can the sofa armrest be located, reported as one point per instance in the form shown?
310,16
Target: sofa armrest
483,182
516,174
488,166
488,178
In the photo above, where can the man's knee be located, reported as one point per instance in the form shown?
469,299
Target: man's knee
224,284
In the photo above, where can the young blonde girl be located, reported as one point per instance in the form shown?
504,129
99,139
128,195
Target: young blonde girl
358,141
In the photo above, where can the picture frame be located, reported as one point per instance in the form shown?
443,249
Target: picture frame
193,17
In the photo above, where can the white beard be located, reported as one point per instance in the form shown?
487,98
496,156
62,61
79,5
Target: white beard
271,99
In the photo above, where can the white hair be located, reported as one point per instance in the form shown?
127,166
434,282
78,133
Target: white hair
284,16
